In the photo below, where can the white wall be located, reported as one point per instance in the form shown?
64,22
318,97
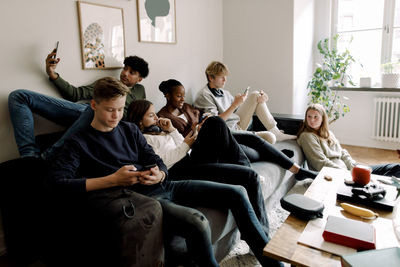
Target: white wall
258,49
30,28
268,45
303,60
356,127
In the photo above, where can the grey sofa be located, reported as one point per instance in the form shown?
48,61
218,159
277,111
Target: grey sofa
276,182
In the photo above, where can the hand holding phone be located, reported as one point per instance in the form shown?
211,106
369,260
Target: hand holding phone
204,116
148,167
54,57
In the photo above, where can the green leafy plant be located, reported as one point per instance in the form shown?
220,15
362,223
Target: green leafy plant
331,73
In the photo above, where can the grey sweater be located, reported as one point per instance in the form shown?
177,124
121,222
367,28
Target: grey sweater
207,102
319,153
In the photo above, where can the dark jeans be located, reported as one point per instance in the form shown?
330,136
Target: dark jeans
181,219
216,156
229,174
215,144
257,149
391,169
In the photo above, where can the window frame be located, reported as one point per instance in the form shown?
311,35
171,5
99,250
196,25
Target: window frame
387,27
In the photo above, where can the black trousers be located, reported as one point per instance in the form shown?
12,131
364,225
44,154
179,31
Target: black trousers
216,156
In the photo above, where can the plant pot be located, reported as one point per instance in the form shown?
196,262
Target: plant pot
390,80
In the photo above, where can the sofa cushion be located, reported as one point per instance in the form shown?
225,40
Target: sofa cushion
276,181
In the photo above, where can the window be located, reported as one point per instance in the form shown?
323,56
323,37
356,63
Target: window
370,29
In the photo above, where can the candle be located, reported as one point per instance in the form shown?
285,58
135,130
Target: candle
361,174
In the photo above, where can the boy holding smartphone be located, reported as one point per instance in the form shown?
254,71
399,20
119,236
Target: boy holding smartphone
67,112
237,111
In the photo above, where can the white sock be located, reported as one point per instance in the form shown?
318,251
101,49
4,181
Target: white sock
281,136
267,136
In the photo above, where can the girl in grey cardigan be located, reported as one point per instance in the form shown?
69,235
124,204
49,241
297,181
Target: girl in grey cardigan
321,148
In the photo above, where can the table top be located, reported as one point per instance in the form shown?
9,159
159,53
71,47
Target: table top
284,247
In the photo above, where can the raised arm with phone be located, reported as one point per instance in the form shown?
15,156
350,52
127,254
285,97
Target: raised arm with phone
64,111
51,63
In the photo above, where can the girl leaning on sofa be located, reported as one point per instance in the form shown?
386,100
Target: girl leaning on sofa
321,148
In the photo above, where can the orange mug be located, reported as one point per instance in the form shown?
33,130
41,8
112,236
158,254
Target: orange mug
361,174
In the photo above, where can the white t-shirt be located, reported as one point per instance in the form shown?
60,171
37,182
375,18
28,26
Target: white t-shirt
170,147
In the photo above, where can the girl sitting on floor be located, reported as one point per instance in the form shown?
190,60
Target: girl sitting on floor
321,148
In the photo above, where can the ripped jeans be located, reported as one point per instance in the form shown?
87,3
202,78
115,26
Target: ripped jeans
180,217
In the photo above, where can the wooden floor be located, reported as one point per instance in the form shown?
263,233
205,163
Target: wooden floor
371,156
364,155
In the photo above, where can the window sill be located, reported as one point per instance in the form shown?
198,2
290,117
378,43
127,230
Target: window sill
366,89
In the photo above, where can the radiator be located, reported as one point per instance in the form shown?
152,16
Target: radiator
386,119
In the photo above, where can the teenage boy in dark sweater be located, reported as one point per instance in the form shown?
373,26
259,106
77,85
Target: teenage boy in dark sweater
111,154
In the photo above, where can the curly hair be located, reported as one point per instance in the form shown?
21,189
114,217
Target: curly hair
138,64
167,86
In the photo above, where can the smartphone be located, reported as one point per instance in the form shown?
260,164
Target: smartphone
203,116
246,90
55,50
148,167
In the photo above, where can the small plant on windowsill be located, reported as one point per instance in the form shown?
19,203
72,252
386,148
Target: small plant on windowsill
331,73
391,75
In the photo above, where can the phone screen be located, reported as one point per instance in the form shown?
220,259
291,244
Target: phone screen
148,167
55,50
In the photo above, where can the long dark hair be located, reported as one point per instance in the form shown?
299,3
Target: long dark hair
136,111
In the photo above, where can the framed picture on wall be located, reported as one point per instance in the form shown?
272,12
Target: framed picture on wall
156,21
102,36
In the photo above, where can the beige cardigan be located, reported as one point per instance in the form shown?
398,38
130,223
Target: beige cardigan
320,154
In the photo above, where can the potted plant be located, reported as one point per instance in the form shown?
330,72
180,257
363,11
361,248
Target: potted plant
331,73
391,75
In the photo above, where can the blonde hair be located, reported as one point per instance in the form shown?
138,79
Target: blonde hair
323,131
216,68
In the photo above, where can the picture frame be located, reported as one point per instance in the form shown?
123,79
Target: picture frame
156,21
102,36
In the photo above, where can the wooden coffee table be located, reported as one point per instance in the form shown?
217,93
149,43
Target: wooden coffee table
284,247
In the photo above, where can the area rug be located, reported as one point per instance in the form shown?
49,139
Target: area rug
240,255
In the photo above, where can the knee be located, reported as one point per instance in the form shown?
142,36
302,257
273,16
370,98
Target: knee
148,215
17,95
238,192
216,120
199,223
254,177
253,96
395,169
154,212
